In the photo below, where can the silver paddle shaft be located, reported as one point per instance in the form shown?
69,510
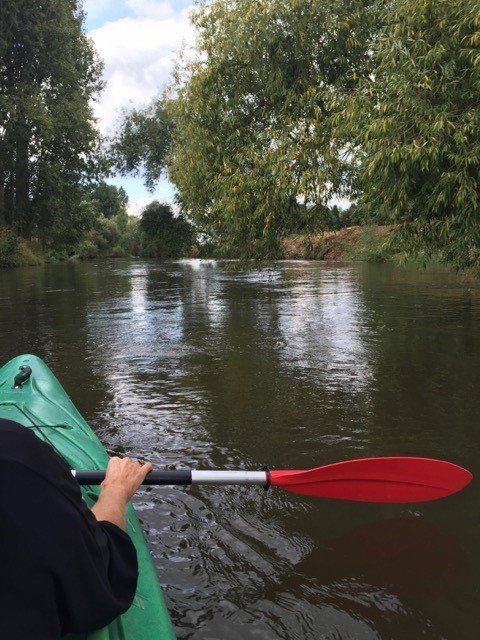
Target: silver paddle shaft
229,477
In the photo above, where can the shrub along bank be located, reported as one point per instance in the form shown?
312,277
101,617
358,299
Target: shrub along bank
158,233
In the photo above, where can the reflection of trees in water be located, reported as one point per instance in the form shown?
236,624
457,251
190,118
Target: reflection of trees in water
424,398
138,332
254,352
262,349
43,311
341,358
322,322
258,356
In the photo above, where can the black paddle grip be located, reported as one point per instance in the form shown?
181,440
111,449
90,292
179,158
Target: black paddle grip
182,477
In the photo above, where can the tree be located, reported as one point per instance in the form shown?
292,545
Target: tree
142,142
49,73
110,200
165,235
254,115
416,123
248,133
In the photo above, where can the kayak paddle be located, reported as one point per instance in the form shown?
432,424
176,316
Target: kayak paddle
386,479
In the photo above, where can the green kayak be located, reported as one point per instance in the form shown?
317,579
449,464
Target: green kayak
39,399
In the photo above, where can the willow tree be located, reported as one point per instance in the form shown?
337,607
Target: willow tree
141,143
417,121
254,145
48,75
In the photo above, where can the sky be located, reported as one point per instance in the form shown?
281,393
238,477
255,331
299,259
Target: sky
138,41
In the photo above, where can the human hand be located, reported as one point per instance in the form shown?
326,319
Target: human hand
124,476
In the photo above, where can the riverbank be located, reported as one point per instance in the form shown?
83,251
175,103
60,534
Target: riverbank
367,244
158,234
17,252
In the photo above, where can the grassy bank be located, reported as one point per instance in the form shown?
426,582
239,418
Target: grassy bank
368,244
15,252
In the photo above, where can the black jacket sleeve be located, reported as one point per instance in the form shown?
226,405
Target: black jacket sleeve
69,572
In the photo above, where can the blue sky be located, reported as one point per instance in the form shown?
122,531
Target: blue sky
138,41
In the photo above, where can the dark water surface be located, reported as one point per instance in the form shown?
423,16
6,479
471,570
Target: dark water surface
192,364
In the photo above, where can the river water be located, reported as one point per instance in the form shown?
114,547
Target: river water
197,364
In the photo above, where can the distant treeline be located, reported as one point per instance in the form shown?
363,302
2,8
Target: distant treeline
285,106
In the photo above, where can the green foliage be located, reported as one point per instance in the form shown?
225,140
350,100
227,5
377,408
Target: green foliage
105,234
110,200
16,253
8,249
248,134
110,237
130,236
86,250
163,234
141,144
283,106
416,125
358,214
288,103
252,130
48,142
371,246
254,115
332,218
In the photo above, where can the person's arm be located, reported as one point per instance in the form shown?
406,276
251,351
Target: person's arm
122,479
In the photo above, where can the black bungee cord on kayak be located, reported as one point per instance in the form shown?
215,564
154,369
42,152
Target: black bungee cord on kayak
23,376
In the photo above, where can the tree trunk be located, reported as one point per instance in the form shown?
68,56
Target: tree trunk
4,164
22,222
9,209
3,220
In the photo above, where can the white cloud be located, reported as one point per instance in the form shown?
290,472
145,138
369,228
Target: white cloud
136,206
341,203
139,54
151,8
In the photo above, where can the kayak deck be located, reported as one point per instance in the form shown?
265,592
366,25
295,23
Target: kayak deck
42,404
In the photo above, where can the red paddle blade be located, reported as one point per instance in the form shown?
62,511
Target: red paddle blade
389,479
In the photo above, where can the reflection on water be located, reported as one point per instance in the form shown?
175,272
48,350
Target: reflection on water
194,364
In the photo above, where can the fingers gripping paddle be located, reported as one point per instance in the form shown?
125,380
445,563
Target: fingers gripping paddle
389,479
